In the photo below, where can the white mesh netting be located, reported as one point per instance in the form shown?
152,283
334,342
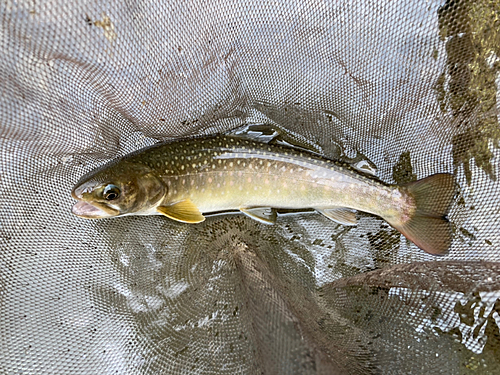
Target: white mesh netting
411,88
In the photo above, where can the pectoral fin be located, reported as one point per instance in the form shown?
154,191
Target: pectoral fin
341,215
265,215
184,211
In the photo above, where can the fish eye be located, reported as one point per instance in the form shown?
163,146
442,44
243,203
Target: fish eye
111,192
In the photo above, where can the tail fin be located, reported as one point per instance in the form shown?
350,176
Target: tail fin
429,227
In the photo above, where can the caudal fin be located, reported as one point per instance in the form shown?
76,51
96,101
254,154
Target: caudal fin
429,227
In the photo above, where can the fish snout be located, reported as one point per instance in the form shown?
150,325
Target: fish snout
78,191
74,195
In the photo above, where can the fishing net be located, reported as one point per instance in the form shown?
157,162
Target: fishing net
409,89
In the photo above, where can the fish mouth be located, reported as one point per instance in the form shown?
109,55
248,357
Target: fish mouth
88,211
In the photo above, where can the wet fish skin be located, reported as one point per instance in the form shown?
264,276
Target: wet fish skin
184,179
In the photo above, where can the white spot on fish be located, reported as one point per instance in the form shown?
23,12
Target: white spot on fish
249,179
192,182
210,180
231,164
193,165
220,174
182,167
183,182
396,194
218,185
240,173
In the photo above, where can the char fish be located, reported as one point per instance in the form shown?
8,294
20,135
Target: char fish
185,179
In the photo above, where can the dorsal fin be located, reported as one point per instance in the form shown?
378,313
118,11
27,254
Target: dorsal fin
364,166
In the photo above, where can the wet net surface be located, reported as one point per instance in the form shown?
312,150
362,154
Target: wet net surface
411,89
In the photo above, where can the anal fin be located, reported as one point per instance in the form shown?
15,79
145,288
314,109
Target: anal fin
266,215
184,211
341,215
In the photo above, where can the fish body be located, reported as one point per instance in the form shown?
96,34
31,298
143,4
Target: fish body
185,179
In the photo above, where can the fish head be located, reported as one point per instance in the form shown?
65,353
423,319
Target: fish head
117,189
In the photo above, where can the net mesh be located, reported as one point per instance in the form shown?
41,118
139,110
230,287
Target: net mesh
410,89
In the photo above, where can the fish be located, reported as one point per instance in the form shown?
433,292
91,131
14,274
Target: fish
187,178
